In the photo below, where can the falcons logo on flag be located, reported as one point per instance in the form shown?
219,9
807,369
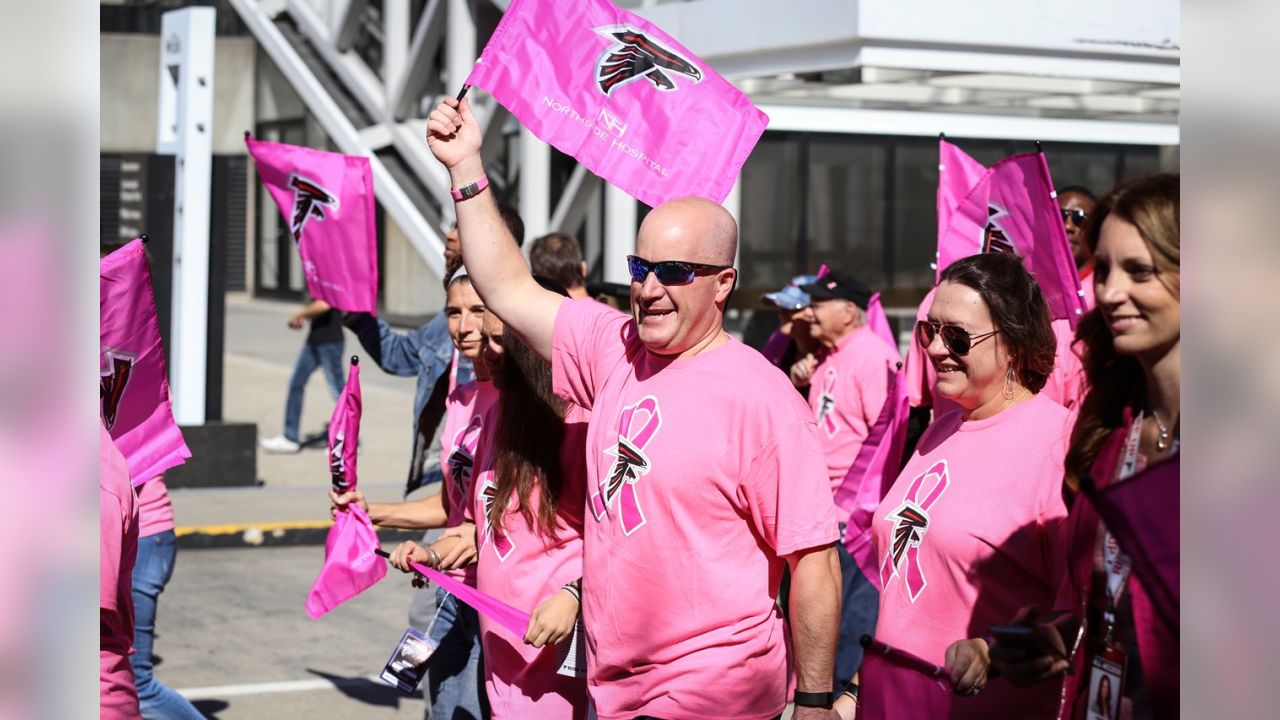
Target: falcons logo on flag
635,56
630,466
994,238
309,201
111,385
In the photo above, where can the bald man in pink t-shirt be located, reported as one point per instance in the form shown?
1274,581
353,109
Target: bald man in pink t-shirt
704,472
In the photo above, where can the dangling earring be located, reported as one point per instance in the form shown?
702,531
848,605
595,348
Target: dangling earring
1009,380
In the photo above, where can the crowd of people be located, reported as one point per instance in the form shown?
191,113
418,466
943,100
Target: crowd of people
650,488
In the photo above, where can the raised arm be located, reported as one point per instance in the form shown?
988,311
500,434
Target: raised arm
497,269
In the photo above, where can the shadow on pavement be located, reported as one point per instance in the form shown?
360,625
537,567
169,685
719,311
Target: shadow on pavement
211,708
369,692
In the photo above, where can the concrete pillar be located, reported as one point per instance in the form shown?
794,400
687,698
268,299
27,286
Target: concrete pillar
733,203
535,185
619,233
460,44
395,45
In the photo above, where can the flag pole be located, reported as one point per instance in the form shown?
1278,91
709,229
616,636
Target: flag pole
145,238
463,92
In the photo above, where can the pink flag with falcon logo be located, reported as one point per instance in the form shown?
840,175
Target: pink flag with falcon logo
133,389
327,202
621,96
351,562
1011,208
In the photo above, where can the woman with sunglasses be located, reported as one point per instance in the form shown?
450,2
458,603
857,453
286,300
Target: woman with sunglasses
967,534
527,502
1129,420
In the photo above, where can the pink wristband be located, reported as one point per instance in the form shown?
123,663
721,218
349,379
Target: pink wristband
469,191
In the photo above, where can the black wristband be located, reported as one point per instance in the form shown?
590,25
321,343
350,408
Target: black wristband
851,690
814,699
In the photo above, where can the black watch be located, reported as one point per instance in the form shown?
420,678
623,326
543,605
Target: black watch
815,699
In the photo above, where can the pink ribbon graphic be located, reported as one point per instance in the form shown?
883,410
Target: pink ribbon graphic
502,546
910,523
827,403
462,460
631,463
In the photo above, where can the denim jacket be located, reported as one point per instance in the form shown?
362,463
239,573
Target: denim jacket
425,352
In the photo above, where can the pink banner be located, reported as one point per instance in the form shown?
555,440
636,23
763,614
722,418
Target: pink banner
875,468
133,389
1012,208
621,96
351,563
327,202
508,617
344,432
897,684
957,174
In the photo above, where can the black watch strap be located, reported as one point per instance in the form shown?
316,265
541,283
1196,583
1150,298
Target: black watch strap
815,699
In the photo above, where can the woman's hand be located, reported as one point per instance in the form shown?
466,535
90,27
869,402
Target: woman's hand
553,620
462,549
338,503
1040,657
409,552
969,661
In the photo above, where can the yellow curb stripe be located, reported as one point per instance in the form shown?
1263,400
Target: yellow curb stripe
231,529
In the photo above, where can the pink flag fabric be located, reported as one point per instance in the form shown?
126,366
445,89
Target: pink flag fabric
508,617
897,684
1143,515
351,563
621,96
344,432
328,203
1012,208
133,389
876,466
957,174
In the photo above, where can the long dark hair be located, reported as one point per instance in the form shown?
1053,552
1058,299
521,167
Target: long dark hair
1150,204
527,440
1018,310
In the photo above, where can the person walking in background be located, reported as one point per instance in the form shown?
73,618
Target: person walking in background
847,390
1129,420
157,550
971,530
118,548
323,349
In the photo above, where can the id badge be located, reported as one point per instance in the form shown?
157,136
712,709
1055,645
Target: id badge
408,662
1106,675
572,654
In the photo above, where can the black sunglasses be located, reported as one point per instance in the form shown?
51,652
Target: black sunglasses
1076,216
955,339
669,272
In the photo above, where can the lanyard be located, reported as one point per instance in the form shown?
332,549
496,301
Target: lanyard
1115,561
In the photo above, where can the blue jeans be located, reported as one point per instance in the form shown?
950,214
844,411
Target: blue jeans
455,678
151,573
860,608
325,355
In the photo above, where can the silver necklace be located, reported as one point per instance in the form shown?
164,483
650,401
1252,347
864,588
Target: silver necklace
1162,432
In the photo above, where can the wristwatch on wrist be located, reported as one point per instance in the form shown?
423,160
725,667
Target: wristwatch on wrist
469,191
815,699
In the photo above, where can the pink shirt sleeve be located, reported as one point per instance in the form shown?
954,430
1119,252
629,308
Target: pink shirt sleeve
588,339
787,493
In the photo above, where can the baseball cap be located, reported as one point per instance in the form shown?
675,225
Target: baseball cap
790,297
836,285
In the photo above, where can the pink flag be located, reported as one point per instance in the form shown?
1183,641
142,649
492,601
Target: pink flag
508,617
621,96
351,564
1013,208
133,391
876,466
344,432
897,684
327,200
957,174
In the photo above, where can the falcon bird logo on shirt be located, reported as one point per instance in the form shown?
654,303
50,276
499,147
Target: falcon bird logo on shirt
637,424
635,56
502,546
994,236
112,383
309,201
461,461
827,404
910,524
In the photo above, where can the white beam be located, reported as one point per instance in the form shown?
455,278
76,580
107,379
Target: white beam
535,184
395,43
902,122
422,60
460,47
619,233
575,202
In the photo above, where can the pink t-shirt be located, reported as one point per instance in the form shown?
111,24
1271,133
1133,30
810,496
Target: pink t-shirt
970,533
466,411
118,548
521,567
703,474
847,392
155,512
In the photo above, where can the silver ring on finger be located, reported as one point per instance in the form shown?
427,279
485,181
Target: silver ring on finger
974,690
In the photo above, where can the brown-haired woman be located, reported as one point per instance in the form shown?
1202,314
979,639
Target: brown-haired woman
527,501
1128,420
969,532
